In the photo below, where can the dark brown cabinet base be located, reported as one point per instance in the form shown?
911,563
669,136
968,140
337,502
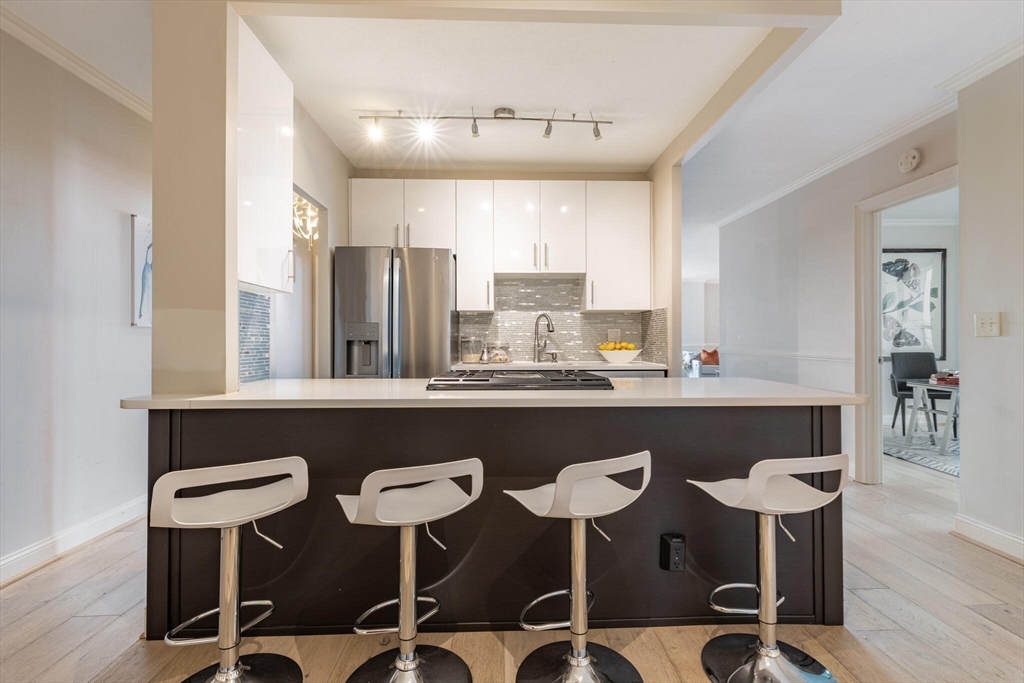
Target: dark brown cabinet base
499,556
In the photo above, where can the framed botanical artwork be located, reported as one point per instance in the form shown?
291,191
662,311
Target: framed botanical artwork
914,301
142,271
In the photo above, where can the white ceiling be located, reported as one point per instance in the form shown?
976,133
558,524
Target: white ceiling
649,80
115,36
942,207
873,68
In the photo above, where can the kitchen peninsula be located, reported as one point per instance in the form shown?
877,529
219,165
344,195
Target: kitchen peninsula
498,559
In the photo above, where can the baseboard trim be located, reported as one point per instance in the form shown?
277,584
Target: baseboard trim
21,561
996,540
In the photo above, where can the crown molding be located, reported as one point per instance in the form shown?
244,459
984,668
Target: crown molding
920,222
978,70
51,49
936,111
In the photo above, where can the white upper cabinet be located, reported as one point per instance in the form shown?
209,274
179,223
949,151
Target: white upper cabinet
563,226
475,260
377,212
618,246
429,214
265,136
517,226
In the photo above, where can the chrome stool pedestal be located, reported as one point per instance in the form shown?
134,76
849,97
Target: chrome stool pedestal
407,497
581,662
227,511
746,658
408,663
581,492
770,491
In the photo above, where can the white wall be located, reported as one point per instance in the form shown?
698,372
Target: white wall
938,236
692,321
711,318
74,165
786,282
991,142
322,171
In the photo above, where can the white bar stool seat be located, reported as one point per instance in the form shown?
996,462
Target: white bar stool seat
770,490
227,511
582,491
427,494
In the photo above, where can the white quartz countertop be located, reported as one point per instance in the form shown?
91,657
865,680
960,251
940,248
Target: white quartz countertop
562,365
411,393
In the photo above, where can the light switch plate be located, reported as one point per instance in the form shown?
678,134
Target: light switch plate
614,335
986,325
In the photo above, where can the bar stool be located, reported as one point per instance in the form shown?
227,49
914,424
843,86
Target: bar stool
769,491
429,495
580,492
228,511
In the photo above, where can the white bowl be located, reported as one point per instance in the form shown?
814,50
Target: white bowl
620,357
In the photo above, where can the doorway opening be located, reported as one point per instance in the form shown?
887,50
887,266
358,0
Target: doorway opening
919,309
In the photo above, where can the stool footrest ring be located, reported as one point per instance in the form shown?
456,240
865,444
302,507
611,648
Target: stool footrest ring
393,629
171,640
738,610
549,625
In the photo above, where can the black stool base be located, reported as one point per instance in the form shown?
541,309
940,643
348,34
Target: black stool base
436,665
548,664
262,667
733,658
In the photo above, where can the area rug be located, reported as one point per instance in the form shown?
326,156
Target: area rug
922,452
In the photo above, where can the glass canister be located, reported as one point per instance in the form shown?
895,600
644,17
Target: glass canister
498,352
472,349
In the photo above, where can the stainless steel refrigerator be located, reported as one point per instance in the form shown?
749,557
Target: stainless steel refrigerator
392,312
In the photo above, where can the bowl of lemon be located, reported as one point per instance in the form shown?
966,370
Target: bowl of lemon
619,352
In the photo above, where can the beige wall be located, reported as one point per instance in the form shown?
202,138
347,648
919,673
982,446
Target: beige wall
195,190
991,142
322,171
786,292
74,166
667,253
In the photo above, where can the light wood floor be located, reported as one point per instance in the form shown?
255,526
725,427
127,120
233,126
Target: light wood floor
921,605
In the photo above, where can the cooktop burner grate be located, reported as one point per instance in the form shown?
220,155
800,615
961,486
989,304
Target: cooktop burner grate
517,380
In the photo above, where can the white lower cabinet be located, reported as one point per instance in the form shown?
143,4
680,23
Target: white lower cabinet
618,246
474,279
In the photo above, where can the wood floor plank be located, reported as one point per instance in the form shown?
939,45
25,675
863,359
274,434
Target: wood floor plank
319,655
119,600
483,651
1009,617
642,648
854,578
140,662
862,659
95,654
50,614
682,645
972,655
927,663
860,616
33,660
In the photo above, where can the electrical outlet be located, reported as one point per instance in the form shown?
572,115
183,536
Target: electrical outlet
614,335
986,325
673,552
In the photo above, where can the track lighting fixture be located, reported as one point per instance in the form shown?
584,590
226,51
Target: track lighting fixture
426,131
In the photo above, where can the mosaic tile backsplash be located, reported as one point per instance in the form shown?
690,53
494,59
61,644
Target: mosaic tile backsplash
518,302
253,337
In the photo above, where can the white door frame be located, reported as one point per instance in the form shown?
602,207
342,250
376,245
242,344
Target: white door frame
867,223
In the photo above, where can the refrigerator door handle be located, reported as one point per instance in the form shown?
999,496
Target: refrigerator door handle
396,319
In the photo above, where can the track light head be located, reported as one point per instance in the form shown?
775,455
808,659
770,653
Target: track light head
476,129
375,132
597,132
547,131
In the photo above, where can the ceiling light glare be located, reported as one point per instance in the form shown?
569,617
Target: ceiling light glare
547,131
286,130
425,131
375,132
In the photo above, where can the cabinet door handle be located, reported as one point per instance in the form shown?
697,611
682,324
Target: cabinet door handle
591,292
291,264
406,234
396,235
535,255
488,292
546,255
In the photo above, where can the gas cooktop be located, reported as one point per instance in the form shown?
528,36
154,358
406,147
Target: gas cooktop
478,380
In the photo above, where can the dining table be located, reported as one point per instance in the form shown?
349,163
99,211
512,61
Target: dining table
921,403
